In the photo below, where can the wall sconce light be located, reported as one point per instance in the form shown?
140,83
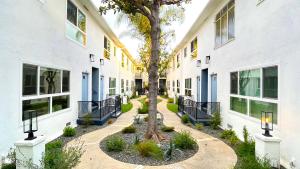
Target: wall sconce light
92,57
207,59
30,123
101,61
198,63
267,123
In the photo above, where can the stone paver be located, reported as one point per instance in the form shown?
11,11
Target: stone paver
212,154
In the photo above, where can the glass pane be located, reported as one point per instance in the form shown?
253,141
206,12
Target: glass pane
42,106
29,80
218,33
270,82
81,21
60,103
256,107
112,92
238,105
72,13
231,23
224,28
234,83
250,83
50,81
75,34
66,81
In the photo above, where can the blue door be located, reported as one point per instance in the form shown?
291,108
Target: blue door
214,86
101,87
204,85
85,87
95,84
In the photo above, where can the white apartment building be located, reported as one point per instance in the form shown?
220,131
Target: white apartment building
55,53
245,55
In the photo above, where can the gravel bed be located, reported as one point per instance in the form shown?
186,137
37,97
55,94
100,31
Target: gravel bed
130,155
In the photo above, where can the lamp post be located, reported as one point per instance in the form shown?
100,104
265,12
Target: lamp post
31,117
267,123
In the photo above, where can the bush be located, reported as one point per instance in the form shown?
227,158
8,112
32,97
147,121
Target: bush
69,131
115,143
9,166
61,158
245,135
12,158
199,126
167,129
184,140
252,162
126,107
216,120
143,110
170,100
87,120
149,148
172,107
185,119
226,134
129,129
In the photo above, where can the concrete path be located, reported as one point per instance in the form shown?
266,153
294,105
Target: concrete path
212,154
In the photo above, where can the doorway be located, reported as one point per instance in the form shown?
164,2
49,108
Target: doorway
204,85
85,87
101,88
95,84
214,86
198,89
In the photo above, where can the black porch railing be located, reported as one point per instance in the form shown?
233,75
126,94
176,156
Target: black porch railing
197,111
99,110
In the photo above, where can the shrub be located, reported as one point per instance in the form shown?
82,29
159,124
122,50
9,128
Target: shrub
184,140
126,107
12,158
216,120
199,126
170,100
87,120
69,131
252,162
185,119
129,129
245,135
143,110
136,140
234,140
115,143
226,134
54,145
167,128
149,148
172,107
9,166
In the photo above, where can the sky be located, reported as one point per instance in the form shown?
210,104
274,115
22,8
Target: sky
192,11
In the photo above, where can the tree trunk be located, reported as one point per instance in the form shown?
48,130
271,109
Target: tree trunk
152,132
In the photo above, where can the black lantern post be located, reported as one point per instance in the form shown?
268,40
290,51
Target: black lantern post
30,124
267,123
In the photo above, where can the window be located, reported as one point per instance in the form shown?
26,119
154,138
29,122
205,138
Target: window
132,86
29,80
168,85
115,51
173,85
54,85
234,83
106,48
178,86
122,85
188,87
127,85
249,98
225,21
112,86
173,62
76,24
122,63
50,80
185,52
194,48
178,60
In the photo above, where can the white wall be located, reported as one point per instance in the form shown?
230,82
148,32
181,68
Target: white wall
265,35
34,32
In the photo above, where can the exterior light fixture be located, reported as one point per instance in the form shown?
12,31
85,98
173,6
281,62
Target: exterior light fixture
92,57
207,59
101,61
30,124
198,63
267,123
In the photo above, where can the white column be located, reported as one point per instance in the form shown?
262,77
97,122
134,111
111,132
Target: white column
30,151
268,148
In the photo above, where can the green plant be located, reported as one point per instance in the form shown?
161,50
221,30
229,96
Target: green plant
129,129
245,135
169,152
115,143
185,119
216,120
199,126
143,110
69,131
170,100
54,145
149,148
184,140
12,158
126,107
87,120
172,107
9,166
234,140
167,129
136,140
226,134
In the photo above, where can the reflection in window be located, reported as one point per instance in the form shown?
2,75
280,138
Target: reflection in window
29,80
256,107
60,103
41,106
188,87
238,105
270,82
66,81
250,83
112,86
50,81
234,83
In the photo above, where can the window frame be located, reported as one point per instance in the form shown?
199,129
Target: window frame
106,47
188,87
112,88
260,98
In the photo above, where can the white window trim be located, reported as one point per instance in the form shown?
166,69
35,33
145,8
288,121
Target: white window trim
112,88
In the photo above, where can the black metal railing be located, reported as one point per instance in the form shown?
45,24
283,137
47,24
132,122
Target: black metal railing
97,110
198,110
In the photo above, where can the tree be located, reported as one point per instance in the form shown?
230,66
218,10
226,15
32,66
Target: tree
151,10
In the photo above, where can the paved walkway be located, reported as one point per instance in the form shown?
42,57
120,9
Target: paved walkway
212,154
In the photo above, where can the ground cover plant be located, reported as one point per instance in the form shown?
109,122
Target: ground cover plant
69,131
126,107
172,107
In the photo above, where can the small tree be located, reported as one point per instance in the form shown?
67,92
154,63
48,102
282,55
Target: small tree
151,10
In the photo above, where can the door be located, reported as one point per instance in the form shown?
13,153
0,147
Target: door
139,86
101,87
85,87
95,84
204,85
214,87
198,89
